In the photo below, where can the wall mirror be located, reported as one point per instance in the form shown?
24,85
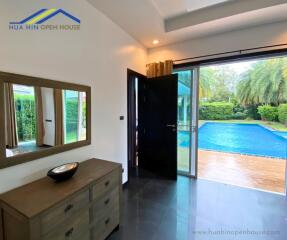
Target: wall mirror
41,117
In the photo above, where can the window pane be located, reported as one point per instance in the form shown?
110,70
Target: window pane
75,116
83,117
71,107
24,99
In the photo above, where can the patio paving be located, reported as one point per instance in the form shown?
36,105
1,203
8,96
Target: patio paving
243,170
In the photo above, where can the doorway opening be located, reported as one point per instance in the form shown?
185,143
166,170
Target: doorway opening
242,139
241,121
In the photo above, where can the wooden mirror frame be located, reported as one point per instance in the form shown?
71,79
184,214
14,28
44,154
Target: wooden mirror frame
39,82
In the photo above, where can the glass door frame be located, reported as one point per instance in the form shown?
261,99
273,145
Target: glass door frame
194,116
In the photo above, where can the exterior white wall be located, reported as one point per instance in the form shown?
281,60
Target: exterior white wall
246,38
98,55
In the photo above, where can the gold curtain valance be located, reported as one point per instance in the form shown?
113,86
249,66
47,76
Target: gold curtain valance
159,69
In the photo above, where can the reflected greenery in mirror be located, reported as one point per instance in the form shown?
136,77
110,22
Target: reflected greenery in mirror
74,116
24,100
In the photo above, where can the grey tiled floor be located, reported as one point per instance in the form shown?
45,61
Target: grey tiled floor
157,209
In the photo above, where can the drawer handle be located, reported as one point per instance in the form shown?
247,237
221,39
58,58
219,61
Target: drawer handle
107,201
107,221
69,233
107,183
68,208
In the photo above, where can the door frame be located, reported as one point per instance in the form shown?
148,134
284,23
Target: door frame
221,60
131,119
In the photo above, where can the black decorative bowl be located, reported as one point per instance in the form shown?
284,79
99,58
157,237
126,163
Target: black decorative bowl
63,172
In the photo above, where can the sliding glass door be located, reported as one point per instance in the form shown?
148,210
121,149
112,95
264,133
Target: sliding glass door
183,121
187,121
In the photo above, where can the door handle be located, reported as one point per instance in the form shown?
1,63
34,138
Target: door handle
171,125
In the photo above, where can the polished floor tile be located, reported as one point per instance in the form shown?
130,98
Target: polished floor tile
158,209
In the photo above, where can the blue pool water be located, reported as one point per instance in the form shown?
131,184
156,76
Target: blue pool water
282,134
249,139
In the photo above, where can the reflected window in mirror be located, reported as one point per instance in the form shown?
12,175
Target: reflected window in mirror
24,100
74,109
23,119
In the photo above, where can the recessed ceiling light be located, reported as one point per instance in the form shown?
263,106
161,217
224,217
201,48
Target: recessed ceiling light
155,41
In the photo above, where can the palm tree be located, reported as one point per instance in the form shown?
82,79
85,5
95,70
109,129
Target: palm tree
264,83
207,76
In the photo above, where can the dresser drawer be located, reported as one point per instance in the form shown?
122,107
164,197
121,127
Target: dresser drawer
83,236
108,183
105,204
62,212
76,228
106,224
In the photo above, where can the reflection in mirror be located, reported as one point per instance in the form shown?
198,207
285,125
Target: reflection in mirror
38,118
74,116
23,119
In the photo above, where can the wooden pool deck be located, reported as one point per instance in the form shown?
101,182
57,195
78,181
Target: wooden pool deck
243,170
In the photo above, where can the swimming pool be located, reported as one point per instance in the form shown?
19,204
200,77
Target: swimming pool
251,139
282,134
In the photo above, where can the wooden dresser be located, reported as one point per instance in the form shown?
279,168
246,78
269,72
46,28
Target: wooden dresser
86,207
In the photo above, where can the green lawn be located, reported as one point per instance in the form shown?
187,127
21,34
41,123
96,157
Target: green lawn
273,125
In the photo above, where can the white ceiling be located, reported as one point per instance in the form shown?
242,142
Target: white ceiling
169,21
172,8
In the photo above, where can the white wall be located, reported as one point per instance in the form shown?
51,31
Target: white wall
97,55
231,41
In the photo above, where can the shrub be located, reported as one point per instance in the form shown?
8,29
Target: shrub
239,116
268,113
282,113
216,111
25,117
252,112
237,107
